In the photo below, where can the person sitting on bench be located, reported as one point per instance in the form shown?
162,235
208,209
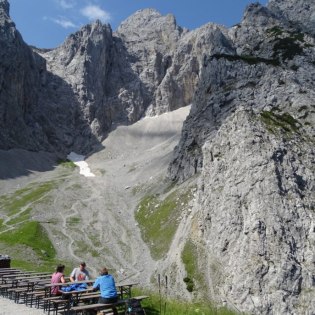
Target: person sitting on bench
57,277
80,273
106,284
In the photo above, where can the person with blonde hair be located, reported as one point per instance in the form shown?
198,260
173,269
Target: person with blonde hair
106,284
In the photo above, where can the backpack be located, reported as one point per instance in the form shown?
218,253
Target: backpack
135,308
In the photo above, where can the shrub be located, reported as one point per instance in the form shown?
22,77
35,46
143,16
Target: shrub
284,122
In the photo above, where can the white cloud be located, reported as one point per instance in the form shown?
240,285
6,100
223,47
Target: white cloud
94,12
66,4
65,23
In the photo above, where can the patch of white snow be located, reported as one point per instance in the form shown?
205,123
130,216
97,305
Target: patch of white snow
78,160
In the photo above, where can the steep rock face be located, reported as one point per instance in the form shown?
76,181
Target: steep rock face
97,79
250,136
150,40
270,68
166,58
38,110
256,213
300,12
149,66
19,81
179,83
83,61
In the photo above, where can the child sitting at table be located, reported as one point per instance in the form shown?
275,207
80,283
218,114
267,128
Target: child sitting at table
57,277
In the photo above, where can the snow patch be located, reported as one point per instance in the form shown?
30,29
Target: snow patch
78,160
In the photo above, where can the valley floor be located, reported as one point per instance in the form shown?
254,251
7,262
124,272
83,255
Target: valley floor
92,218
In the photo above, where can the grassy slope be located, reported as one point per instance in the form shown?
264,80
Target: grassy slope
159,217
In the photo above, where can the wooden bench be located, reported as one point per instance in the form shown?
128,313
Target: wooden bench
14,293
98,306
34,296
90,296
56,302
4,288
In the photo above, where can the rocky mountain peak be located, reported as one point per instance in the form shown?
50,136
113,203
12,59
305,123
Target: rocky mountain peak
5,20
94,28
257,14
140,19
150,25
299,12
4,7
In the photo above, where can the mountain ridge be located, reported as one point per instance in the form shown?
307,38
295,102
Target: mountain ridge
247,144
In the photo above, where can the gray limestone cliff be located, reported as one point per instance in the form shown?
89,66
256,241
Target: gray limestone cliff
38,109
97,79
19,80
299,13
248,140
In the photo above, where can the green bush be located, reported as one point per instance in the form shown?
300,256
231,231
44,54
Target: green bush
276,30
287,48
66,163
284,122
189,257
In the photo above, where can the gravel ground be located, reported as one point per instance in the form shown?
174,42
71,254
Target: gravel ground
9,307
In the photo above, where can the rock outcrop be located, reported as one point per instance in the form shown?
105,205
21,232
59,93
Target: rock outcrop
299,13
250,136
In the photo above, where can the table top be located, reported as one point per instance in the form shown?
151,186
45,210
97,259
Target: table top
69,283
126,284
89,289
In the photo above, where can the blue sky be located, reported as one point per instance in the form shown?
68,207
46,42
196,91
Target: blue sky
46,23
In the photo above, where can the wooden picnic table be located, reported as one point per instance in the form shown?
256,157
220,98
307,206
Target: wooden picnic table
16,287
5,274
122,288
18,277
10,272
102,306
69,283
35,276
48,287
3,270
28,274
125,289
67,298
75,296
